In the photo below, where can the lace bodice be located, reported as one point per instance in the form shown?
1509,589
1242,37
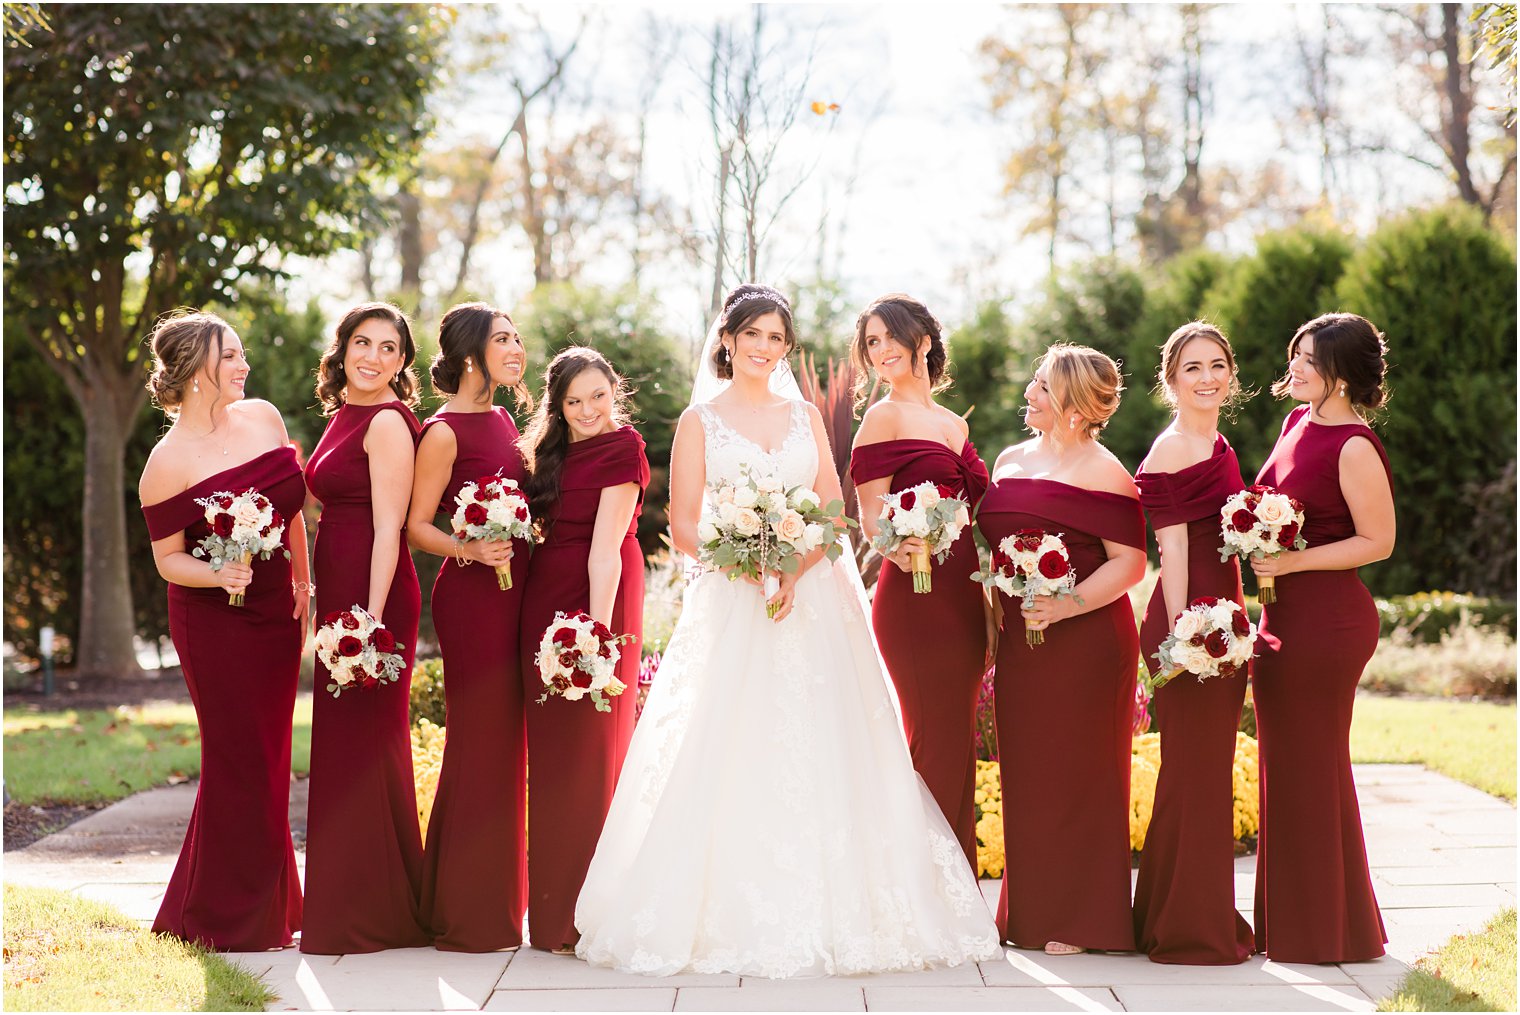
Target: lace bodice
728,452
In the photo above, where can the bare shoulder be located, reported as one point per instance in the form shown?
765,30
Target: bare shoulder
262,414
1012,455
1360,459
813,414
437,438
389,430
162,475
880,423
956,419
1103,471
1173,451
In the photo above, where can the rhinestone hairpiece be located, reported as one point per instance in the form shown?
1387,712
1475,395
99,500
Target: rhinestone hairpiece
767,294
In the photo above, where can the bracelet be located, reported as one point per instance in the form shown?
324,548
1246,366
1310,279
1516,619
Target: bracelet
459,558
310,588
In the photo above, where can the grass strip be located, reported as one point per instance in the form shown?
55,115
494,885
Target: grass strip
1473,972
1471,741
64,953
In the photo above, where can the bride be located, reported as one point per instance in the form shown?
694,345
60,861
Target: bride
768,820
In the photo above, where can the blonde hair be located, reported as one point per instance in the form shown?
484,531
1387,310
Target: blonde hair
1084,381
181,343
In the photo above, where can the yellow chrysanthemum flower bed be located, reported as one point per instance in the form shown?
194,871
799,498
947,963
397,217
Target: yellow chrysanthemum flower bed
1144,766
427,761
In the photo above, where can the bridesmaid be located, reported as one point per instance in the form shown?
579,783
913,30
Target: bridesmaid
905,439
1064,707
586,486
1314,900
1185,896
235,887
475,874
363,848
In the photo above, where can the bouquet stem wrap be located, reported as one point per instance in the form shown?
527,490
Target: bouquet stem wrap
923,576
1266,589
236,598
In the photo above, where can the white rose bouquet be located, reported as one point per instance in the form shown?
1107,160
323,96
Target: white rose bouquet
757,528
358,650
492,508
930,511
578,656
1030,562
1213,637
242,525
1261,522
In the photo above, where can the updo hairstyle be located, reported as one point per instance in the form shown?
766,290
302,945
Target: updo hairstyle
1171,360
744,304
463,334
1084,381
906,321
330,375
1347,350
182,341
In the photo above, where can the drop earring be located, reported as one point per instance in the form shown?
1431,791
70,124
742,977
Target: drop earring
469,367
1343,391
195,386
1073,424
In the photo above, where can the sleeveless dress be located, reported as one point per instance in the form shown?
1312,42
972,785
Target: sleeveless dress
1185,895
1314,900
575,752
235,886
1064,720
475,868
934,644
768,821
363,847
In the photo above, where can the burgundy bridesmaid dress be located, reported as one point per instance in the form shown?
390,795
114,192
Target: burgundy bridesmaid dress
235,887
934,644
1185,897
1314,900
363,846
575,752
475,867
1064,713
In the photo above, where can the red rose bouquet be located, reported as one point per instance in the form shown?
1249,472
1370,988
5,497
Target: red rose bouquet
242,525
1261,522
1030,562
357,650
577,657
1213,637
492,508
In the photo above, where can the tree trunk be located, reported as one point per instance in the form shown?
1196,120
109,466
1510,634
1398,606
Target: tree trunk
409,243
1458,105
106,627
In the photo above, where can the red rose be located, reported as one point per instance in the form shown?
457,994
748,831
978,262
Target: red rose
221,524
580,679
276,519
1257,489
265,531
1243,521
559,682
568,659
1287,535
601,630
909,498
1028,539
1001,561
565,636
1204,601
522,512
1053,565
383,640
945,492
348,620
224,501
1216,643
1196,639
605,651
348,645
1227,669
487,493
475,514
1240,624
331,618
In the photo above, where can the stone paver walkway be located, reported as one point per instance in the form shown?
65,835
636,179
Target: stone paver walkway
1443,861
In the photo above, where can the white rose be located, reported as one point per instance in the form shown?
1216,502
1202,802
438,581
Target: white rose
1222,616
1048,544
573,693
585,643
1275,510
746,522
1191,624
790,526
812,536
727,511
806,499
928,495
768,484
962,515
246,513
725,495
746,497
706,530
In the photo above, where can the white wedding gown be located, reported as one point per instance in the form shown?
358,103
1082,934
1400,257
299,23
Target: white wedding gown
768,820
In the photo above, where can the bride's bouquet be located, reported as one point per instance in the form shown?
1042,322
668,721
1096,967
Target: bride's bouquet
1213,637
357,650
757,528
1261,522
1030,562
578,656
930,511
242,525
492,508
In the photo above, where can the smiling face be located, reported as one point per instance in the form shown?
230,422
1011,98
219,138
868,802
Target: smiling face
1202,379
506,356
758,347
588,404
224,376
1305,382
371,361
891,359
1039,405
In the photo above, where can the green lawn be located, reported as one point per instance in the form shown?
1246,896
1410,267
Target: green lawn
64,953
1473,741
1473,972
100,756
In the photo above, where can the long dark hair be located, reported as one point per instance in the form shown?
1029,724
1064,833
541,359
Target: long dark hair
546,440
906,321
462,335
330,376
